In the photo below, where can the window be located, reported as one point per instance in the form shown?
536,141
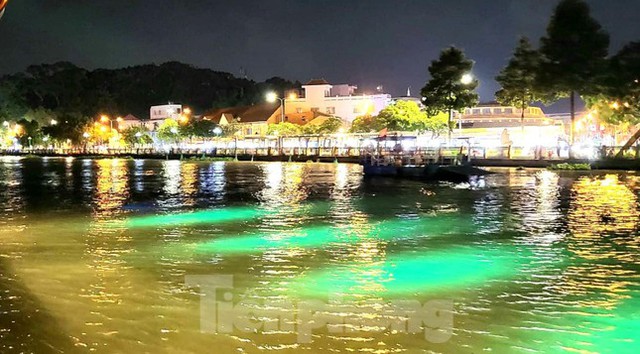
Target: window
356,110
315,109
331,110
486,111
467,111
476,111
508,111
299,110
497,110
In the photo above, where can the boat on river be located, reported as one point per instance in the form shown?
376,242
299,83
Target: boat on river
400,167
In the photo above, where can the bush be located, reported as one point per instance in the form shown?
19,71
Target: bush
571,167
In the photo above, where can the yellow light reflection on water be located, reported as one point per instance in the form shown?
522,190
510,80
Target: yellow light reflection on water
602,217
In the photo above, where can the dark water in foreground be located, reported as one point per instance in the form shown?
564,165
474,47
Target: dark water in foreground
94,255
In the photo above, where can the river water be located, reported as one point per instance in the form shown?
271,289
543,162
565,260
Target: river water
135,256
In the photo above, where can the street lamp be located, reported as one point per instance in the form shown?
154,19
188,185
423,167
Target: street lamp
105,118
466,79
54,122
272,97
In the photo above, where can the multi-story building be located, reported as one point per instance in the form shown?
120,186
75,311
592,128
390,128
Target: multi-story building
493,123
162,112
318,96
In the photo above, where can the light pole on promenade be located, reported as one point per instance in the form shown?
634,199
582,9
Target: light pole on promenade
272,97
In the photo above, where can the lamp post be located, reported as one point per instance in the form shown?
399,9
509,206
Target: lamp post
272,97
466,79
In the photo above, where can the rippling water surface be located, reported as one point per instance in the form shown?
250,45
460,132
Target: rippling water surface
95,255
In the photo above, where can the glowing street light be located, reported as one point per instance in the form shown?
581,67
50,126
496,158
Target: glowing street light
217,131
54,122
272,97
466,79
86,135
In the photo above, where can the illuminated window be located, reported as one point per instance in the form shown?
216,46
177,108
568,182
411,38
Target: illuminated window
331,110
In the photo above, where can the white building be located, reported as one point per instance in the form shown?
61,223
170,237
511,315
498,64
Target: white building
162,112
337,100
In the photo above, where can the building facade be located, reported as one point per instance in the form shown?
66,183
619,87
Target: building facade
250,120
319,96
162,112
494,124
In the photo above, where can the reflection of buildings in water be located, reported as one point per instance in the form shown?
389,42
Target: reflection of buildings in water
189,176
107,240
283,187
602,221
172,176
537,204
213,181
12,199
111,187
600,209
138,176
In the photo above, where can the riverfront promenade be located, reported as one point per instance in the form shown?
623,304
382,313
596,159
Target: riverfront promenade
328,155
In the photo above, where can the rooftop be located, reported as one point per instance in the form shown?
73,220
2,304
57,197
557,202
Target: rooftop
317,82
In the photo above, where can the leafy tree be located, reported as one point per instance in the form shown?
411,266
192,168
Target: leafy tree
169,131
447,90
401,116
574,51
284,129
230,130
518,79
436,124
70,126
29,132
135,135
200,128
330,125
364,124
621,101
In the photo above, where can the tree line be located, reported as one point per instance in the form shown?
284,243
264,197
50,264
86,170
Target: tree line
74,97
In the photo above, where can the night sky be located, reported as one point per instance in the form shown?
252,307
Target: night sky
367,43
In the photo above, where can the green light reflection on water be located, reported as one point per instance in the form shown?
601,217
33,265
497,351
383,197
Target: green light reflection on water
197,217
451,269
317,236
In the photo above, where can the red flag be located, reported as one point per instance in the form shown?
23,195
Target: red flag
383,132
